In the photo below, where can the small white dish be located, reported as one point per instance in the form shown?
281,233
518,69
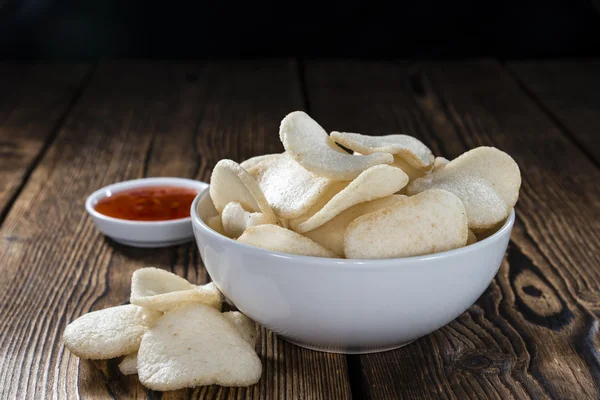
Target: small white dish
143,233
348,306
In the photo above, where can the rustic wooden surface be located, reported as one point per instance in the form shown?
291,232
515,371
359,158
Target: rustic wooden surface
68,130
570,91
35,100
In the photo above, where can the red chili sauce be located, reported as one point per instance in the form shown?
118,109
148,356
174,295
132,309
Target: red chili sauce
156,203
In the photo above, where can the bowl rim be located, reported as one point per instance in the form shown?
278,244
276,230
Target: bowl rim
507,226
121,186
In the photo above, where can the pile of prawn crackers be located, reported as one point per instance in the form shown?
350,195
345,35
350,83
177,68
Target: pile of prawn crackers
173,335
390,198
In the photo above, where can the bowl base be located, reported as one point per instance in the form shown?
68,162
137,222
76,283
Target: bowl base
151,245
342,350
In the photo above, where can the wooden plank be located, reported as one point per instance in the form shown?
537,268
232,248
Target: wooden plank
34,100
135,120
570,90
533,333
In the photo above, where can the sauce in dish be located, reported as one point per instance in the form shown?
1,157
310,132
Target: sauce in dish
156,203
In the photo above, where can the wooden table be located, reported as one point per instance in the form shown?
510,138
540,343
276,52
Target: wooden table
67,130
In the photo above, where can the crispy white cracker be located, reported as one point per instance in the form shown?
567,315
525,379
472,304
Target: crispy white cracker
331,234
236,220
308,143
216,224
430,222
289,188
487,181
412,172
251,162
109,333
195,345
162,290
128,365
244,325
439,163
410,149
272,237
376,182
230,182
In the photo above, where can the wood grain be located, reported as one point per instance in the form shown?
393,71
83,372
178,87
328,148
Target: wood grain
570,91
34,100
533,333
135,120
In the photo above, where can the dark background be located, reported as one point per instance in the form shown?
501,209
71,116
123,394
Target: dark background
100,29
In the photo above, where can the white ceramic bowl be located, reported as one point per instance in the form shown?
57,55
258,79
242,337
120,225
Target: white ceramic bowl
347,306
143,233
